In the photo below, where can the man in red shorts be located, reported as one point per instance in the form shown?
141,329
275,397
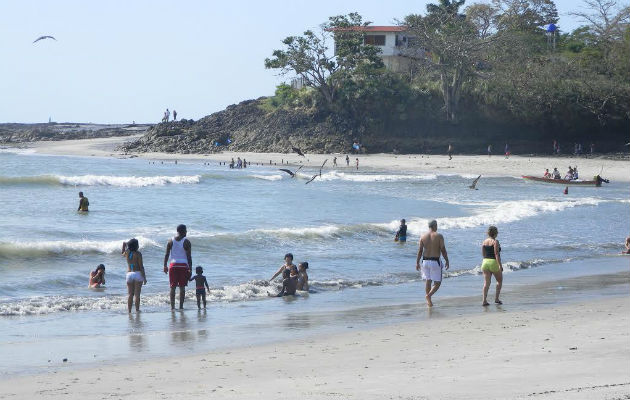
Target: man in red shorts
179,260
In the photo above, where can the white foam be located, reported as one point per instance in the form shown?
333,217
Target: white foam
67,246
126,181
268,177
342,176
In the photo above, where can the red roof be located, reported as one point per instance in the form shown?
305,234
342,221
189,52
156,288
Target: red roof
396,28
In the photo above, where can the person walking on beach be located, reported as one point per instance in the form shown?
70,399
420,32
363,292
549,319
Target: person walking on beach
83,203
491,265
334,161
136,276
179,252
450,151
430,248
357,162
489,150
347,161
507,151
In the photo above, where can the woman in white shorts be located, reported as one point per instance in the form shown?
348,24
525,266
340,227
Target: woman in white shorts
135,272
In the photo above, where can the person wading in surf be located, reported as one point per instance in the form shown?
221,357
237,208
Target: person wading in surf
179,268
83,203
430,247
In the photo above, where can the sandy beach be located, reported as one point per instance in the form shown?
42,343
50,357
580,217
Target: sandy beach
578,351
498,165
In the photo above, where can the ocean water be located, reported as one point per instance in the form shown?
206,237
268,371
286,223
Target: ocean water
242,222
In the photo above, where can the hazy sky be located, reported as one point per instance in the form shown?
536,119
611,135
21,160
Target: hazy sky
119,61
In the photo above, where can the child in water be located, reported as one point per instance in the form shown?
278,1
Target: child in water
201,283
97,277
302,276
289,285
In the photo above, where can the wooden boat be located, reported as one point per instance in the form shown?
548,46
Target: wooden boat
562,181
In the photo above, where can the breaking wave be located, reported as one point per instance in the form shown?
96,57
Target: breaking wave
63,247
100,180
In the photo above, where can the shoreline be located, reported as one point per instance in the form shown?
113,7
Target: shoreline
515,166
438,358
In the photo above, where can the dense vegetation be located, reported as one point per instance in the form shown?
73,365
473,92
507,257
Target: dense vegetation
488,74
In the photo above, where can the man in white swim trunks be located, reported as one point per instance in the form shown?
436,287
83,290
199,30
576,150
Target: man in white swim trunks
429,250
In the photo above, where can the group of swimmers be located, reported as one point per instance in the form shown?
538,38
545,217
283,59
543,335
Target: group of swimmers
239,163
571,175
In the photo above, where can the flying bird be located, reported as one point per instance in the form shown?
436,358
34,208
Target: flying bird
298,151
44,37
474,184
320,172
288,171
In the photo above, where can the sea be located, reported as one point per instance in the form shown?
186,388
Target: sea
241,222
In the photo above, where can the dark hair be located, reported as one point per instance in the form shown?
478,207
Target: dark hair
133,244
286,273
181,228
493,231
100,266
403,221
289,255
80,193
304,264
199,270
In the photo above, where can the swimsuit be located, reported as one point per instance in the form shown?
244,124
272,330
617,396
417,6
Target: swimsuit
133,276
489,262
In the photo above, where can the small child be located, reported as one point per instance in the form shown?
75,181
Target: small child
200,281
302,276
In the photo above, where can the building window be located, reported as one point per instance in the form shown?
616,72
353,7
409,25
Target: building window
374,40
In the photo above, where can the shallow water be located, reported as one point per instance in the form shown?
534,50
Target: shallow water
242,222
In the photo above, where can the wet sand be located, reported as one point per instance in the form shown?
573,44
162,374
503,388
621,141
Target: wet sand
578,351
615,170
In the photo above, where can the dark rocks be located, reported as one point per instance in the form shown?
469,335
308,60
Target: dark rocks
20,133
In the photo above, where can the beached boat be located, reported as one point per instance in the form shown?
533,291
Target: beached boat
562,181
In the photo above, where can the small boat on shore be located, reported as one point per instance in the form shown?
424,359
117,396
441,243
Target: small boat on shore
579,182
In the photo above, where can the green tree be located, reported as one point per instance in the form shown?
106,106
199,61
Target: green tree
309,56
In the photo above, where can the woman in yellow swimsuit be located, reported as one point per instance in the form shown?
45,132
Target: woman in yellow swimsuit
491,265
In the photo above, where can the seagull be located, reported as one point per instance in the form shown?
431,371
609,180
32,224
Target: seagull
320,172
298,151
474,184
288,171
44,37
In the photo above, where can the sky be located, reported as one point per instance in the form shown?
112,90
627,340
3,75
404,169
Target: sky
121,61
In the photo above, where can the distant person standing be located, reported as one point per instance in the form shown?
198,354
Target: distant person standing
83,203
507,150
592,149
167,115
179,260
489,150
555,146
357,162
136,276
174,115
450,151
430,248
347,161
334,161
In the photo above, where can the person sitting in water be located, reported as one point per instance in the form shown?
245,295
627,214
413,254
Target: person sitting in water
289,284
401,234
288,263
97,277
303,276
556,173
83,203
627,245
201,283
547,173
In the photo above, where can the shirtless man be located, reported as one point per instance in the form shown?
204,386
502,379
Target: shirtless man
179,270
430,247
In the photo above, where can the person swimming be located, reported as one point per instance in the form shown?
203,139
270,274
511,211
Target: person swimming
302,276
401,234
201,283
97,277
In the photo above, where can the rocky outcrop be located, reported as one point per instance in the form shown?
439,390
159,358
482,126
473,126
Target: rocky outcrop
20,133
248,127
